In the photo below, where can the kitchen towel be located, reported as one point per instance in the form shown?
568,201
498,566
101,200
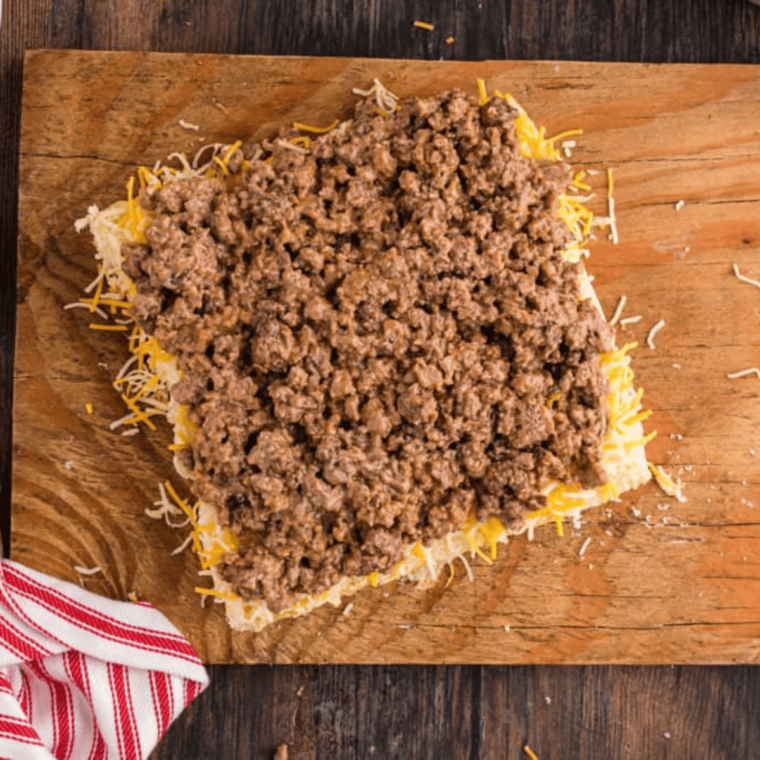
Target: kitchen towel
85,677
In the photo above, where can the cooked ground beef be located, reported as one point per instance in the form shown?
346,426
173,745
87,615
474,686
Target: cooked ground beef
370,334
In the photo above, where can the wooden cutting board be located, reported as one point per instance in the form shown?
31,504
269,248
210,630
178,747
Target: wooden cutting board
659,582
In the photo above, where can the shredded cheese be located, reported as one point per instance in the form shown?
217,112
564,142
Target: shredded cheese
108,328
744,373
618,311
316,130
88,570
655,329
424,25
530,753
741,277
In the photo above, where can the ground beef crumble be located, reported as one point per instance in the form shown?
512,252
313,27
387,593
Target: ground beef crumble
370,335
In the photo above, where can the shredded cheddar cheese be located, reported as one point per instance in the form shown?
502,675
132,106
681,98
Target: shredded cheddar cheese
315,130
744,278
112,328
618,311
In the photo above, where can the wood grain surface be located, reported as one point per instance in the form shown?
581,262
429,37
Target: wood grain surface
660,582
456,711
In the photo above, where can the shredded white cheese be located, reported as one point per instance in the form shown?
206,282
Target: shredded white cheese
743,373
88,570
679,205
631,320
384,98
618,311
748,280
584,546
294,148
613,220
183,545
80,305
653,332
187,125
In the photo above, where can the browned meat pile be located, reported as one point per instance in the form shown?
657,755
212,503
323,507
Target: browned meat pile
370,335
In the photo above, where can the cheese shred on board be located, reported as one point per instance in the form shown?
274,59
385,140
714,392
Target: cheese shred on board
147,377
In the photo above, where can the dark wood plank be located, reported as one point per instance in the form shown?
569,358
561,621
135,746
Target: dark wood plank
234,718
583,713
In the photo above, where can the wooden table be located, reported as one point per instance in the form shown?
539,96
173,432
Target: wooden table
394,711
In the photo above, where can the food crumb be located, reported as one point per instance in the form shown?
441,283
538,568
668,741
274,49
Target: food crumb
347,609
635,512
752,452
449,40
507,628
679,205
667,734
675,365
548,700
88,408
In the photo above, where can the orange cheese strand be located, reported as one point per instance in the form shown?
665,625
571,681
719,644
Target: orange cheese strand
108,328
315,130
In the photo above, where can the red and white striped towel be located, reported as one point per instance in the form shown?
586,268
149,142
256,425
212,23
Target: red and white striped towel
85,677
